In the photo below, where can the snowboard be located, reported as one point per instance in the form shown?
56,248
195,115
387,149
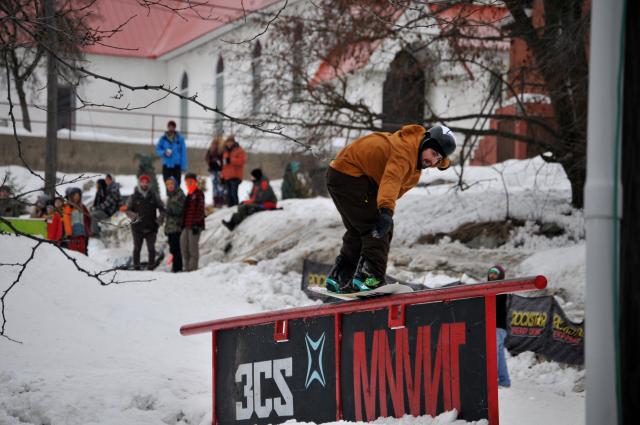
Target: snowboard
389,289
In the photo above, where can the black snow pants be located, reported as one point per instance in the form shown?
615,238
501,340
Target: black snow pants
356,201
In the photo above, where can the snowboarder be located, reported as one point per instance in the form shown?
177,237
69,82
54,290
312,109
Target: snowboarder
193,223
233,159
364,181
497,273
141,209
214,163
262,198
172,149
77,221
173,222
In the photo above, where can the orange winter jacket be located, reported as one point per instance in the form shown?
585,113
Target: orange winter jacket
390,159
233,163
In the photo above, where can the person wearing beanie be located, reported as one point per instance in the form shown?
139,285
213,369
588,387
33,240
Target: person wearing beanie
171,147
143,207
174,212
262,198
233,160
497,273
76,221
192,223
365,180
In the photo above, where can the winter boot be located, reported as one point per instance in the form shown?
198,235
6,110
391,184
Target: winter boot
339,278
364,279
229,225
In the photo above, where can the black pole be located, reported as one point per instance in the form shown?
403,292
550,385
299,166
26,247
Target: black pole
51,153
630,225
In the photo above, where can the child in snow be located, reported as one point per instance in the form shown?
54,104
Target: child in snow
173,222
77,221
262,198
193,223
365,181
141,209
497,273
54,220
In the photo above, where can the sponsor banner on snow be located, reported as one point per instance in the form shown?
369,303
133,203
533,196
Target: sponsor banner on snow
538,324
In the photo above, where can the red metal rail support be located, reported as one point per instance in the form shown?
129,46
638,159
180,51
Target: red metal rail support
444,294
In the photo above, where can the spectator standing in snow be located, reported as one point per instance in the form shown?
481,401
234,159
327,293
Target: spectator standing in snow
173,221
193,223
172,149
262,198
114,189
214,163
76,221
497,273
54,220
292,187
105,204
365,181
233,160
141,209
9,207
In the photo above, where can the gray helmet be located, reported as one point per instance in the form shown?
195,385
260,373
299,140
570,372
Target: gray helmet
439,138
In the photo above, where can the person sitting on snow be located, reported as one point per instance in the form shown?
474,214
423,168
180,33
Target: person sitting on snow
77,221
105,204
192,224
262,198
365,180
497,273
141,209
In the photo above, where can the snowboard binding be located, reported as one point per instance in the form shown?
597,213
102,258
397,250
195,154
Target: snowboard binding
339,278
364,279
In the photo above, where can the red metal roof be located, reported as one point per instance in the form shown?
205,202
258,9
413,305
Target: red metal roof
150,32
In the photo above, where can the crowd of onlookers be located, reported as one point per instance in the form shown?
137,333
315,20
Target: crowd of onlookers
70,223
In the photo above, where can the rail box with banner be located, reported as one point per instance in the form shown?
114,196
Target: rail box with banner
420,353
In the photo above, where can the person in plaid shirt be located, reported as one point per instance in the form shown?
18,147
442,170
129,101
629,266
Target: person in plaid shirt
192,224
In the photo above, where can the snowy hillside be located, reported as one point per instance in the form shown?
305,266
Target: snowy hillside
113,354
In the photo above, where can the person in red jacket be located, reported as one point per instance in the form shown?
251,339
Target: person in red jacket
192,223
54,220
262,198
233,159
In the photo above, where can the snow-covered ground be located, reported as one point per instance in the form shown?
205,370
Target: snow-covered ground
113,354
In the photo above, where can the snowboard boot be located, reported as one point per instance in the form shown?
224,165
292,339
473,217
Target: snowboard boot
364,279
339,278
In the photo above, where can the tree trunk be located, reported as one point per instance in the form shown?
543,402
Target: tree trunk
26,118
51,155
577,178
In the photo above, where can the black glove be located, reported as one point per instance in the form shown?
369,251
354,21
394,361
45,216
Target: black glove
384,224
196,230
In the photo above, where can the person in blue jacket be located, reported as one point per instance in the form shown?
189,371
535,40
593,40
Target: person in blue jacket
173,151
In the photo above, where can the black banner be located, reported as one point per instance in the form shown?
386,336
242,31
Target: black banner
261,381
315,274
434,364
538,324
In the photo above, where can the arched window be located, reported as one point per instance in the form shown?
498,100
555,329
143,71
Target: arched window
219,95
403,92
297,70
256,79
184,104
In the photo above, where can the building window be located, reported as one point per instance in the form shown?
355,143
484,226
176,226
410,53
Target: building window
184,104
66,108
495,87
297,65
219,96
403,93
256,79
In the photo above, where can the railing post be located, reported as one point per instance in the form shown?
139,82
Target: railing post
153,124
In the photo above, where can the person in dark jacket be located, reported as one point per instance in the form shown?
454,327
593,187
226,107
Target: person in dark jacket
262,198
172,149
214,163
173,221
192,224
104,206
497,273
142,209
9,206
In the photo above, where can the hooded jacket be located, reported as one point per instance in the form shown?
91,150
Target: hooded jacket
233,162
178,157
389,159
